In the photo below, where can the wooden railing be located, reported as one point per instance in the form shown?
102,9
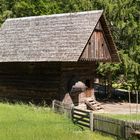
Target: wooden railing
62,108
105,124
115,127
82,117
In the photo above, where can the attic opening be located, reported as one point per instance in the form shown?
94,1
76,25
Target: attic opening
97,47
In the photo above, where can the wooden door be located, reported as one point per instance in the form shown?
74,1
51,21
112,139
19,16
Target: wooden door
88,91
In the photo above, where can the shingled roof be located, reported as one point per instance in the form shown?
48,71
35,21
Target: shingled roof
59,37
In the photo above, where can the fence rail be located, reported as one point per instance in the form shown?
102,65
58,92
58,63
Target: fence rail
62,108
86,118
81,117
119,128
109,125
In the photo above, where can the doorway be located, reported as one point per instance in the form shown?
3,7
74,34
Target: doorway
88,91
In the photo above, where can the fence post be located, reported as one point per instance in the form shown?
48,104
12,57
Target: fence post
93,123
91,120
53,104
71,113
123,129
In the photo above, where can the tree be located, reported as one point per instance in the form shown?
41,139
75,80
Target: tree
124,16
131,63
108,71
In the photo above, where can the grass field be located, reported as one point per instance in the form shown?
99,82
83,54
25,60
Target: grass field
24,122
127,117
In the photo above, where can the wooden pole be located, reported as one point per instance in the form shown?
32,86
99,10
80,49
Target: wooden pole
137,103
129,101
53,104
71,114
91,121
123,130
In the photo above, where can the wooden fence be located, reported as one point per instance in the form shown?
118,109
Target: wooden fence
115,127
82,117
86,118
62,108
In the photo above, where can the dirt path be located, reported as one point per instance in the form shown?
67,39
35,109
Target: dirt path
118,108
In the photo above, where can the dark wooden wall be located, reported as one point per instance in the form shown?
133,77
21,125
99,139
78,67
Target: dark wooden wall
71,73
97,48
41,81
29,81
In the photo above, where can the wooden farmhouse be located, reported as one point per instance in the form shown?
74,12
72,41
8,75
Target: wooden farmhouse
53,56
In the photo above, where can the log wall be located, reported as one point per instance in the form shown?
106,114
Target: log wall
29,81
42,81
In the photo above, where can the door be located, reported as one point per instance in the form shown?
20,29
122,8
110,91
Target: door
88,91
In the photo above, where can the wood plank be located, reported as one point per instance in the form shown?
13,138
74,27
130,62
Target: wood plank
80,110
83,124
80,119
81,115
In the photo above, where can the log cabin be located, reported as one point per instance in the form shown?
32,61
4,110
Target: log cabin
53,56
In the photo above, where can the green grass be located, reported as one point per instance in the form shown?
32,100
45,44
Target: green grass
127,117
24,122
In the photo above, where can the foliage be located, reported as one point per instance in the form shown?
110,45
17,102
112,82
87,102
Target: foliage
21,8
131,61
108,71
105,68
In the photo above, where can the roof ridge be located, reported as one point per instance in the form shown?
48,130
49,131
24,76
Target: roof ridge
56,15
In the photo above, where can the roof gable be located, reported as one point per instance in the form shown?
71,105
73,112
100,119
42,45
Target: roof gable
100,46
111,45
97,48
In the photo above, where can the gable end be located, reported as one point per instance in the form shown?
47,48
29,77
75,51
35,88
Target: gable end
100,46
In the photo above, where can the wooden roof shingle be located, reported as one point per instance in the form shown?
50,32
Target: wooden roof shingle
59,37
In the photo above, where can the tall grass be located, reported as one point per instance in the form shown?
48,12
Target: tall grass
24,122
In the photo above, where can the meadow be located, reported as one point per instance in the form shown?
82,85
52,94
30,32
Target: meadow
30,122
126,117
